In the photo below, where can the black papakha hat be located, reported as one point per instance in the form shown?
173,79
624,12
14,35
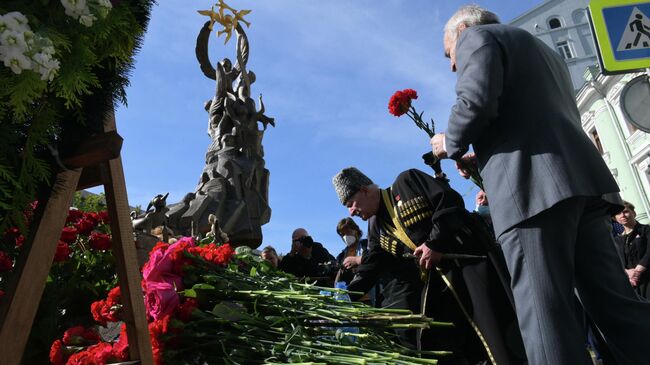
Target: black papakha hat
348,181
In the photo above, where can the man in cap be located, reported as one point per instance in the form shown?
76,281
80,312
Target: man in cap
422,215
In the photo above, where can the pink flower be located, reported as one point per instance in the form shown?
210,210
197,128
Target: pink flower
160,299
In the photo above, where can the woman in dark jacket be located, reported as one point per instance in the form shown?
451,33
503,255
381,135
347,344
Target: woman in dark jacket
633,247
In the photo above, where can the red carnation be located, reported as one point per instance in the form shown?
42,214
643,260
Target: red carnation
6,263
103,216
185,310
74,215
20,240
100,353
400,102
2,293
11,234
80,336
57,354
69,235
121,347
100,241
62,252
85,226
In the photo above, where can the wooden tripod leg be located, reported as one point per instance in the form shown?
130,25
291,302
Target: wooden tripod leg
126,262
27,282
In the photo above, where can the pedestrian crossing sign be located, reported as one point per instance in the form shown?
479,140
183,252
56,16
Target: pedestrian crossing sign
622,33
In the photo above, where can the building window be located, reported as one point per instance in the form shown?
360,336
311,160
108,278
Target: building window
596,139
579,17
565,50
554,23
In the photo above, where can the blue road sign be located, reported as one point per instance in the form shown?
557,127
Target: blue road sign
629,31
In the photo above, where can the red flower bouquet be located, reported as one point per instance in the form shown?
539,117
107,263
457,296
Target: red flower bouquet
400,104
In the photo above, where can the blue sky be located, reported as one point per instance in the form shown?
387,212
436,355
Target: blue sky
326,70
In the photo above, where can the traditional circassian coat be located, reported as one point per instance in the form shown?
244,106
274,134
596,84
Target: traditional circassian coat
470,293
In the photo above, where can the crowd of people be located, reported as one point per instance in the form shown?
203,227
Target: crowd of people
555,257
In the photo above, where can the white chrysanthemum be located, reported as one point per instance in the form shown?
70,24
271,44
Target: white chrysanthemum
105,4
15,21
16,60
75,8
45,65
14,39
87,20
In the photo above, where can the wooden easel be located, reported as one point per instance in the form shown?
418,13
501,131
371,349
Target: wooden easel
96,162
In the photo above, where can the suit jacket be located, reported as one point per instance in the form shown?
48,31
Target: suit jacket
515,104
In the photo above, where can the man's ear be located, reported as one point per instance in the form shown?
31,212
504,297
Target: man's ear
461,27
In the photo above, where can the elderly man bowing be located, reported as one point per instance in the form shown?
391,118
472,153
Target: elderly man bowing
545,179
423,215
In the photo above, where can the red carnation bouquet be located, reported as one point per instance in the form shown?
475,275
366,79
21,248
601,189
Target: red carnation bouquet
401,103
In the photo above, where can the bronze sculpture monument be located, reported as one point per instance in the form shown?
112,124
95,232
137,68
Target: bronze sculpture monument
234,182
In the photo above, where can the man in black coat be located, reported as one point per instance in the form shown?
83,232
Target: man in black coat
422,214
308,259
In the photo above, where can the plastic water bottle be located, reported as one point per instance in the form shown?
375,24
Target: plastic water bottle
344,297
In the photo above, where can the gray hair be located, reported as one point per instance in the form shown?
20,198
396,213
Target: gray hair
470,15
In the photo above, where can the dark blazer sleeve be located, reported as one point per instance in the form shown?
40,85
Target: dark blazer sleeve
479,65
374,262
645,240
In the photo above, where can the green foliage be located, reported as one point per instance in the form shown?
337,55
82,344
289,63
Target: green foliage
38,117
87,202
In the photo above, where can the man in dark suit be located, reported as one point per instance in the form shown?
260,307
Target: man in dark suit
546,181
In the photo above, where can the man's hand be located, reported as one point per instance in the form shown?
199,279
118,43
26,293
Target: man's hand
467,160
632,276
428,257
352,262
438,145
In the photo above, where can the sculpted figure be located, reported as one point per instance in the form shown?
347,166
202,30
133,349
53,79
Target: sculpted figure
155,215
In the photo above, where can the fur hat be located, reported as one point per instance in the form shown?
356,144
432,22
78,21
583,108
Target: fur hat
348,181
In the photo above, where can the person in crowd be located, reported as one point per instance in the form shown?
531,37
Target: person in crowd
269,254
483,209
634,248
308,259
350,256
422,215
551,194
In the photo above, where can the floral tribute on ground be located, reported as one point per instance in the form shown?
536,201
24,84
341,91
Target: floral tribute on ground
82,272
210,304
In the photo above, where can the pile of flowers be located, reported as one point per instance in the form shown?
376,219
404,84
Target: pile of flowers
21,49
210,304
86,11
82,271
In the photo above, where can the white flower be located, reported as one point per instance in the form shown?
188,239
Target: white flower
75,8
105,4
48,50
15,21
87,20
16,60
12,38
